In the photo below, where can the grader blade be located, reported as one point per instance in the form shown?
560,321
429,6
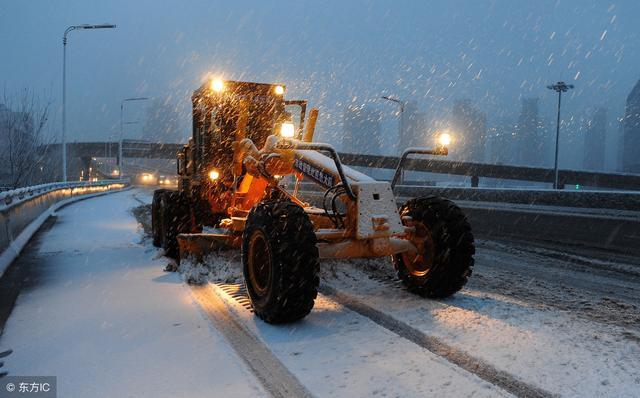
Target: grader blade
198,246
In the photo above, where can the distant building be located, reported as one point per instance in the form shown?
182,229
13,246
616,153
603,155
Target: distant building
361,130
631,132
530,133
620,146
414,127
594,142
500,142
469,130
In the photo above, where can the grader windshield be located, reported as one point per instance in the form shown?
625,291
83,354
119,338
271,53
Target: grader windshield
217,106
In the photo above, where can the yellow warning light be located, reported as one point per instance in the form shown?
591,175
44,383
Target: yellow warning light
217,85
214,174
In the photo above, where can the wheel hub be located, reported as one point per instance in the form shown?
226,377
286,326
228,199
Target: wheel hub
260,267
419,263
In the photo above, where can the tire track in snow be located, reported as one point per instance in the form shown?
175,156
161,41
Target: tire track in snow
458,357
271,373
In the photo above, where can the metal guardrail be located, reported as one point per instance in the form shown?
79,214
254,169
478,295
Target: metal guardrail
10,197
477,170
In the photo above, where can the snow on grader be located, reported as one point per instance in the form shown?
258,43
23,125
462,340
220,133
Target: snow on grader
232,191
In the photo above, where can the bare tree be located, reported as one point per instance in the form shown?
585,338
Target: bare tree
23,117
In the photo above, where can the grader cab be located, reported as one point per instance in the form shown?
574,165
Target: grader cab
249,145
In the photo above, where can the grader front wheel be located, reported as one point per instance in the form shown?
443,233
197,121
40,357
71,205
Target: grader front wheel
442,235
173,218
280,261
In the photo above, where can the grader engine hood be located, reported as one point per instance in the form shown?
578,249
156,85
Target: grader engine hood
377,210
322,169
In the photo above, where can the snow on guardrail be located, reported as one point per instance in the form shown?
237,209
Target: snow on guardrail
8,198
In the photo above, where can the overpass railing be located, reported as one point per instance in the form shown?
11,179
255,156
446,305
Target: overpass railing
24,210
477,170
10,197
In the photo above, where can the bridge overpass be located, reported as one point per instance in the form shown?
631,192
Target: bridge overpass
81,156
82,153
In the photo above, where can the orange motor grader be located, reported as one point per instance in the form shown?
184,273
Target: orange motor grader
248,145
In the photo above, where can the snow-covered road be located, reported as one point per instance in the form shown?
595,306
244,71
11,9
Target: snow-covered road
107,321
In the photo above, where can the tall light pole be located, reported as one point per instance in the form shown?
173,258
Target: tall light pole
120,162
560,87
64,88
401,105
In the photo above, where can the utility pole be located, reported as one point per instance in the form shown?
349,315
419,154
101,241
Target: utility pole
64,88
120,162
401,105
560,87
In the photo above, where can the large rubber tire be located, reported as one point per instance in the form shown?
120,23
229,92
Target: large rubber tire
175,218
156,233
280,261
443,236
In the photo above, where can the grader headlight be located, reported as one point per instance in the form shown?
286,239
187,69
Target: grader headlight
444,139
217,85
287,130
214,174
279,90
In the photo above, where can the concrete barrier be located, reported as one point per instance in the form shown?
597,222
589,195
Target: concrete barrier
24,210
607,220
597,230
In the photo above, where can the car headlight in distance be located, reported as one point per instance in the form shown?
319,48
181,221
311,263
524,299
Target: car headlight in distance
287,130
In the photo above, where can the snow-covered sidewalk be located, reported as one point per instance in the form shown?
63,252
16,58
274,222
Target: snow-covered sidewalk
108,322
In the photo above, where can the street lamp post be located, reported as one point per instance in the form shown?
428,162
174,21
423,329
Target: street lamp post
64,88
401,105
560,87
120,162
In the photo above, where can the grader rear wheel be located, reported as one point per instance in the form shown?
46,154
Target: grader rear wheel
156,227
444,259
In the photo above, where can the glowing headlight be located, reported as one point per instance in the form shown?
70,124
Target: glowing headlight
444,139
217,85
279,90
287,130
214,175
